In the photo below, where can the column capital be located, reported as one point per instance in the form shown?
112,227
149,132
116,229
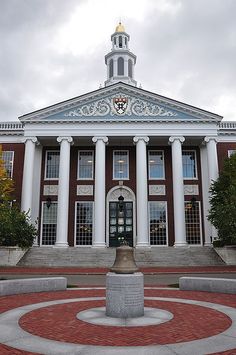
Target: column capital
210,138
68,139
32,139
176,138
96,139
143,138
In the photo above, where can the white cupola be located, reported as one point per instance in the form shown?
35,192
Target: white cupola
120,61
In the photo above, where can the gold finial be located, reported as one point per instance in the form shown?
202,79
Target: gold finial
120,27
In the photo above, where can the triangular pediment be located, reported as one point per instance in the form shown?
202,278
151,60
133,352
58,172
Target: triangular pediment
120,102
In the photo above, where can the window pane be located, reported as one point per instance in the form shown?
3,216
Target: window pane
8,158
157,222
52,165
156,165
192,222
49,224
84,223
86,165
120,165
189,164
231,152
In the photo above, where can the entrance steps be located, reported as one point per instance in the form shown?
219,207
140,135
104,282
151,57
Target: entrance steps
104,257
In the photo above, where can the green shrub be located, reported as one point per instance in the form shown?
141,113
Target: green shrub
15,227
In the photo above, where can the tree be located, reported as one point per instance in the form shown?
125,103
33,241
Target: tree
15,226
222,213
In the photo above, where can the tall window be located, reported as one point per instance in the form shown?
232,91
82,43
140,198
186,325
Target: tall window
52,164
231,152
121,164
49,223
157,223
193,222
8,159
130,68
156,164
111,68
84,223
189,164
120,66
85,166
120,41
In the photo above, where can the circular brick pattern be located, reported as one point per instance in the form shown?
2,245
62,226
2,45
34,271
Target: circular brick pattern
59,323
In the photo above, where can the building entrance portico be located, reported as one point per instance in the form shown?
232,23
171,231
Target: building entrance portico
121,221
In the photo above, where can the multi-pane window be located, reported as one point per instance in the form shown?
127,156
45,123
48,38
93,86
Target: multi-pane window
52,164
120,164
8,159
155,164
189,164
157,223
231,152
193,222
85,166
84,223
49,223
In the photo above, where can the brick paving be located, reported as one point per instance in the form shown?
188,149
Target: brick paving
102,271
58,322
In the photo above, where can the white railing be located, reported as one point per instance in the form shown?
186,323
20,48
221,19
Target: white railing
227,125
10,126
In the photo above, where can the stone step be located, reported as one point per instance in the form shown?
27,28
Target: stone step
91,257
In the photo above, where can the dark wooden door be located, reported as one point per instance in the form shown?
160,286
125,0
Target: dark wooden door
120,223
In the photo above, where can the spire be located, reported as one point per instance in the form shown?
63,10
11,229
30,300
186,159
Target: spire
120,61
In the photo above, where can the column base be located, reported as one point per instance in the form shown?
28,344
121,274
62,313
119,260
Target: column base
208,244
142,245
99,245
185,245
61,245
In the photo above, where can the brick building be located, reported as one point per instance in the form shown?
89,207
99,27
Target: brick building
117,163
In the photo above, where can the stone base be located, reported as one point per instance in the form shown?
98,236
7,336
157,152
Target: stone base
124,295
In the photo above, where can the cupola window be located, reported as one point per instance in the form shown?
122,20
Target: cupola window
120,66
130,68
111,68
120,41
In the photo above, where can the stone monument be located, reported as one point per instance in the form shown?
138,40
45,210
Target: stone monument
124,286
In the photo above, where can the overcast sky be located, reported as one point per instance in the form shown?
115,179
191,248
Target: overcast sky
53,50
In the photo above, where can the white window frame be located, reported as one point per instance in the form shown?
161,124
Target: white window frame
41,225
167,231
75,219
196,166
200,222
163,159
45,164
85,151
231,152
113,164
12,161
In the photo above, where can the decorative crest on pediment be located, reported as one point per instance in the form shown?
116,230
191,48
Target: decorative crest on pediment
120,105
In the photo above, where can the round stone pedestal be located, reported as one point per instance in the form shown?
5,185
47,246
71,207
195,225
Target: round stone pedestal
124,295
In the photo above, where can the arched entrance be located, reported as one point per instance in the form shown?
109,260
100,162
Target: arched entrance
121,216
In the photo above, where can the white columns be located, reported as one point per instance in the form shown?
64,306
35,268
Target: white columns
178,191
27,185
213,171
63,192
141,192
100,192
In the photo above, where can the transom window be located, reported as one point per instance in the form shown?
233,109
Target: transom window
49,223
84,223
193,222
85,165
189,164
156,164
52,164
8,159
157,223
121,164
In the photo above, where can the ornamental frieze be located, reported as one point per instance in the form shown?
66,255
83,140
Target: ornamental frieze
120,105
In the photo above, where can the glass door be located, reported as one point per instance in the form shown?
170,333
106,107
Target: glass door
120,223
